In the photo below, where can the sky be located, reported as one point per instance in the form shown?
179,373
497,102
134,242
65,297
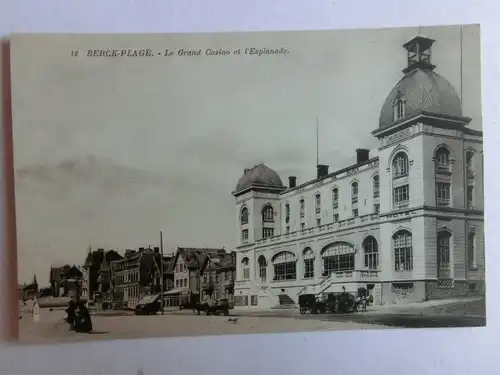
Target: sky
110,151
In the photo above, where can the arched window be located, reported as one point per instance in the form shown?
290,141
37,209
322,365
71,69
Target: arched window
287,213
354,192
285,266
442,159
471,250
443,254
302,207
403,251
318,203
268,213
338,256
400,165
308,263
335,198
262,269
370,247
245,263
399,109
376,186
244,216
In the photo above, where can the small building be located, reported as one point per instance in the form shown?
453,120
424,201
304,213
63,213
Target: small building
132,275
28,291
96,280
186,267
65,281
218,274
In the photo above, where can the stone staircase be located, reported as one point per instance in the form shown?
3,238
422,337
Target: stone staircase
318,288
285,302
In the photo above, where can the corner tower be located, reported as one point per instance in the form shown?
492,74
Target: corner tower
427,197
257,204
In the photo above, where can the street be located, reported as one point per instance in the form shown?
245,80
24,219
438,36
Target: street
109,324
52,329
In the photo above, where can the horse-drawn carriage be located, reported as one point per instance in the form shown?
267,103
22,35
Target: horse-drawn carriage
334,302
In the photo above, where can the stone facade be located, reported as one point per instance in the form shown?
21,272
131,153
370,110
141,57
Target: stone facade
407,223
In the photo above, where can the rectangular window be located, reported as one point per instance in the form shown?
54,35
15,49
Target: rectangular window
337,263
335,218
470,197
308,268
285,271
403,253
246,273
302,208
471,250
355,212
444,252
287,213
401,196
443,194
376,208
318,203
267,232
244,235
335,195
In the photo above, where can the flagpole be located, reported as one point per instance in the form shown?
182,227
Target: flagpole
162,274
317,141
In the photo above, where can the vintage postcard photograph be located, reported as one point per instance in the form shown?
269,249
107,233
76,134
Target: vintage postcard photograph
238,183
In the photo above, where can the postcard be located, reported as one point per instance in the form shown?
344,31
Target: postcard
233,183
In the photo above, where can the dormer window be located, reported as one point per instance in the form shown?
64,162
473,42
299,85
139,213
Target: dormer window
244,216
268,213
399,109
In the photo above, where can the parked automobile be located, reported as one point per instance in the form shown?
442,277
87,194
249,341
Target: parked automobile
149,305
221,306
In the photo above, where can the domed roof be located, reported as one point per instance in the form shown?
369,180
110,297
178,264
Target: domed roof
422,90
259,175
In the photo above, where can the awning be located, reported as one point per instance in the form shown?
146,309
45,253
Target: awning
177,291
148,299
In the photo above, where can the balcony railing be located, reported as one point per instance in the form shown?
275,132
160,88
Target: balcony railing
470,173
443,202
320,229
401,204
443,168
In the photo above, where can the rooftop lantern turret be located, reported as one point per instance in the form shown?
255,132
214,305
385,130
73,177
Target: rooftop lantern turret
419,53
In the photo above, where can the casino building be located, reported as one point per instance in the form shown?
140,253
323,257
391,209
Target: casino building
407,223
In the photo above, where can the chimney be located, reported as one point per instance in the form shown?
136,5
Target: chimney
322,170
362,155
292,181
